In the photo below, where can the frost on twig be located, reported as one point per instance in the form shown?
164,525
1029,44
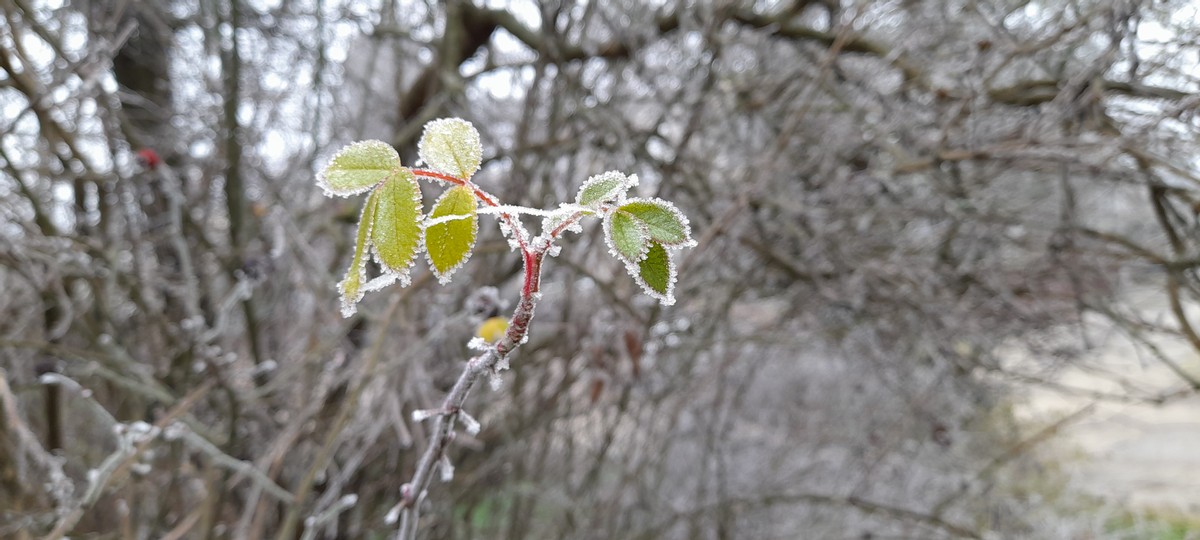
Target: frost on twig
36,460
421,415
478,344
393,514
177,430
469,423
313,523
637,231
495,382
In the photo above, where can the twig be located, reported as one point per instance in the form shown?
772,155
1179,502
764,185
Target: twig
413,492
121,468
1012,453
287,529
221,459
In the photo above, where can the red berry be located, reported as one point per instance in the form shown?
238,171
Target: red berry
148,158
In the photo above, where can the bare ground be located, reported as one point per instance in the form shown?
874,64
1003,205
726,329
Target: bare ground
1139,456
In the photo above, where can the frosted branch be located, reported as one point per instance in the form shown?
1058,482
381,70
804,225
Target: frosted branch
412,493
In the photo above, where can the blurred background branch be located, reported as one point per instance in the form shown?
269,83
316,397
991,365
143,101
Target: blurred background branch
929,233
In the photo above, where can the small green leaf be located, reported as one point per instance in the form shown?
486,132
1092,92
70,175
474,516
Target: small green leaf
626,236
451,145
396,235
663,221
604,187
656,273
358,167
448,241
351,287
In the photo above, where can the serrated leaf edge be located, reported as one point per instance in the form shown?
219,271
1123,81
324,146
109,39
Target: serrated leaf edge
350,305
635,271
423,148
444,277
330,191
402,274
624,183
687,241
606,223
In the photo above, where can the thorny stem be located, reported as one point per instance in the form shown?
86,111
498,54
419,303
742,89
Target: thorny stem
412,493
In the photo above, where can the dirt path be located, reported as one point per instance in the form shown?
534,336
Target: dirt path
1135,455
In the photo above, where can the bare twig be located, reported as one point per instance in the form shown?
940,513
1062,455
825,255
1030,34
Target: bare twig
492,361
120,469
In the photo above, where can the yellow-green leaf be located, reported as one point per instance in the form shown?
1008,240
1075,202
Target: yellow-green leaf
604,187
351,287
656,273
396,235
664,223
451,145
626,236
450,233
358,168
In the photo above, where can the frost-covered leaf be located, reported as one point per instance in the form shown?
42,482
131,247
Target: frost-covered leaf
604,187
451,145
396,235
358,167
656,273
448,241
351,287
626,236
665,223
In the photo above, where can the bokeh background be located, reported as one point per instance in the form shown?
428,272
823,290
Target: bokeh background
946,281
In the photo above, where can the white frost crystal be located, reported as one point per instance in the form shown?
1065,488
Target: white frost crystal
469,423
665,223
478,344
605,187
393,515
421,415
451,146
358,168
385,279
175,431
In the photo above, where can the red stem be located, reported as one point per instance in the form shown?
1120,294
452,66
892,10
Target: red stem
443,428
511,220
563,226
533,272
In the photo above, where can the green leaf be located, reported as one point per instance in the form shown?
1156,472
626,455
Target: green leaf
626,236
656,273
665,223
358,167
451,145
604,187
448,242
396,234
351,287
